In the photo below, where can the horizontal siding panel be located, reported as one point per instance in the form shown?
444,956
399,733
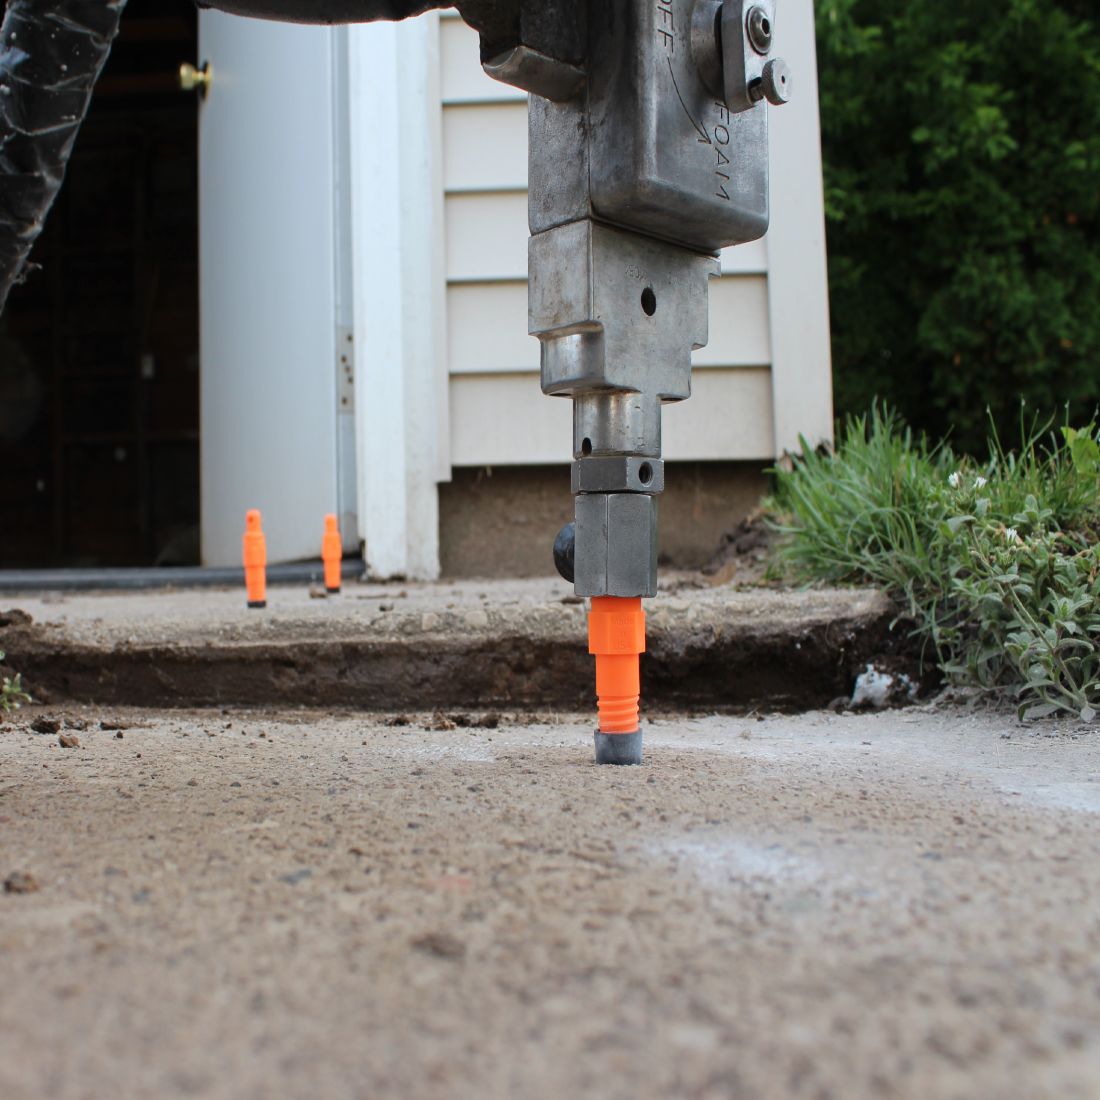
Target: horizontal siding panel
487,239
461,76
728,416
487,326
487,329
745,259
506,420
486,236
739,332
485,147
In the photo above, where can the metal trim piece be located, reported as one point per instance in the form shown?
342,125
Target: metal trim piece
618,748
523,67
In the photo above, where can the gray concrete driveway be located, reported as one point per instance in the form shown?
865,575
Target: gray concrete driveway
305,904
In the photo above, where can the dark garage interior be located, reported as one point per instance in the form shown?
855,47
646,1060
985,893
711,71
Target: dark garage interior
99,359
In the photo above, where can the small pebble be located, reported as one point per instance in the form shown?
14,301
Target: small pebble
20,882
68,741
441,944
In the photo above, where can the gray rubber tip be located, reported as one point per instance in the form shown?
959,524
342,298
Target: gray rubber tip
619,748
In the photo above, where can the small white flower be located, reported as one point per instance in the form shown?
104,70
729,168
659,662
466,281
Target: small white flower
1011,534
979,483
953,480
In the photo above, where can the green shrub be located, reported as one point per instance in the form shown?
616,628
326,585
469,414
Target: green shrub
12,695
962,207
998,562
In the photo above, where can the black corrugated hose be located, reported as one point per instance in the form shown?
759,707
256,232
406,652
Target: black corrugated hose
51,53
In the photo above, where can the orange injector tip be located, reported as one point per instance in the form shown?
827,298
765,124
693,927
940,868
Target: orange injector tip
331,554
616,636
254,552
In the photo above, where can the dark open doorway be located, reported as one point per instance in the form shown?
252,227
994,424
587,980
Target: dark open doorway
99,363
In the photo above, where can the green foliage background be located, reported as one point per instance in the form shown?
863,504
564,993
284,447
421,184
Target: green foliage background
962,180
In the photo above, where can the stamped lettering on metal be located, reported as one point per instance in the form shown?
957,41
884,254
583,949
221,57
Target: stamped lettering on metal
721,145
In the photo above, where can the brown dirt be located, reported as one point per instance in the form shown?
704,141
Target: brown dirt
743,554
257,904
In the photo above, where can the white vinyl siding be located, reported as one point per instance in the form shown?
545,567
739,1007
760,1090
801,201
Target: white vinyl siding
485,146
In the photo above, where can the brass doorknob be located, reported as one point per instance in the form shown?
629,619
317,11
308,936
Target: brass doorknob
194,79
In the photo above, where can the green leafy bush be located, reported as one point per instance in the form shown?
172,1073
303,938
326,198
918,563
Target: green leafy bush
998,562
12,695
962,207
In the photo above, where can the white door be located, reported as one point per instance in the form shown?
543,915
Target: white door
270,428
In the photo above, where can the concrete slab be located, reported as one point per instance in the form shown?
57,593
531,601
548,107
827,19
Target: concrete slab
469,644
254,904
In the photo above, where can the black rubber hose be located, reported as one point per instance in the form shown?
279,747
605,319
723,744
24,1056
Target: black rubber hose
51,55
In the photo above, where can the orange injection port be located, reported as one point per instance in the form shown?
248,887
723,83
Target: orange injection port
616,636
331,554
255,559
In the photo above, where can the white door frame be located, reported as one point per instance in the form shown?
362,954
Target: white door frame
798,281
398,262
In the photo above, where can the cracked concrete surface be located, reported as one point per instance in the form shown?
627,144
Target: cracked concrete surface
470,643
299,903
